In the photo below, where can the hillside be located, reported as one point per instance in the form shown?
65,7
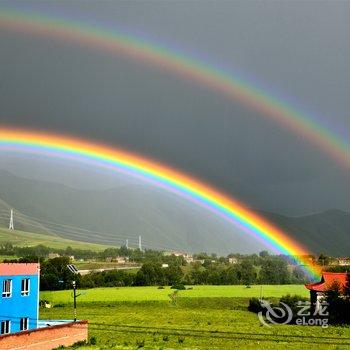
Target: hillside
327,232
163,220
124,212
28,239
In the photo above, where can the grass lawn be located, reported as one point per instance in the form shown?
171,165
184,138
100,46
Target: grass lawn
207,317
154,294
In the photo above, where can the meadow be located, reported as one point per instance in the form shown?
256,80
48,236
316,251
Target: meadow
156,294
206,317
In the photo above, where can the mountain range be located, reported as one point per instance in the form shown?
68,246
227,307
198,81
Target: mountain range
164,221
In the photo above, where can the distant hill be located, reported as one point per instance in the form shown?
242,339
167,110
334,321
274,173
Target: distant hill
327,232
163,220
22,223
111,216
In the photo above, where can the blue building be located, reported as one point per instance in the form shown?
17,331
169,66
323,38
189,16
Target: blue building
19,298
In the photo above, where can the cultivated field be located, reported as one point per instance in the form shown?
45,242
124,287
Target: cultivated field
207,317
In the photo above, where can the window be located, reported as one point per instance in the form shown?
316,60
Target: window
5,327
25,286
24,324
6,288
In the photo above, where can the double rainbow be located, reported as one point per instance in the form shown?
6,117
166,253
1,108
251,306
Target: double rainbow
118,43
172,180
235,88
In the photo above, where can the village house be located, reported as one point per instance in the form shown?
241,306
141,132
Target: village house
232,260
343,261
20,327
328,279
187,257
19,297
120,260
53,255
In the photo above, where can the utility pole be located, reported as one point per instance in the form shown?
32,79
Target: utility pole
140,244
75,300
11,225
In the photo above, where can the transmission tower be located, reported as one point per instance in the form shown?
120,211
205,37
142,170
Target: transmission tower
140,244
11,225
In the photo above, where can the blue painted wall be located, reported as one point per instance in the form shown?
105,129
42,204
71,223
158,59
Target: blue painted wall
17,306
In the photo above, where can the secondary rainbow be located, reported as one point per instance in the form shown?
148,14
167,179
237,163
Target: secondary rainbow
166,177
114,42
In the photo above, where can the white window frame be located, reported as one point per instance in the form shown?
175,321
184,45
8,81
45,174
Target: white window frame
24,324
25,292
6,294
7,326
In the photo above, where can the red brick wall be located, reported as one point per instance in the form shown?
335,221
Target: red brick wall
46,338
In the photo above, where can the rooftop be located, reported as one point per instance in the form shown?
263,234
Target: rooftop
327,280
16,269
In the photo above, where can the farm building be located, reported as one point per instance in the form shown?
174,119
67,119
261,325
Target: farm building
20,327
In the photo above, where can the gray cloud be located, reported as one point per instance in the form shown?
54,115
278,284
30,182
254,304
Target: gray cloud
299,49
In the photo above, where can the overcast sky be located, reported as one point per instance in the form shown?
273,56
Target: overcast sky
299,49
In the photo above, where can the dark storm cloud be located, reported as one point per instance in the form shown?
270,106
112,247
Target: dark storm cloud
299,49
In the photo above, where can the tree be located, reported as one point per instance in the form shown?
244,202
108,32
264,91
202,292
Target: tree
150,274
323,259
264,254
338,307
55,274
173,275
274,271
246,272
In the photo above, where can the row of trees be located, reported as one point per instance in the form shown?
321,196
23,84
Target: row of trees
55,275
135,255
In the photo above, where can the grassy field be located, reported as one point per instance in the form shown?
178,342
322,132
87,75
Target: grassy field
207,317
155,294
29,239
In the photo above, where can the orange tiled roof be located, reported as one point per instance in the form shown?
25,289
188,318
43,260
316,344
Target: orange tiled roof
327,280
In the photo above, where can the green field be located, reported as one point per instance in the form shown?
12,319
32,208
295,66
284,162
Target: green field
207,317
29,239
155,294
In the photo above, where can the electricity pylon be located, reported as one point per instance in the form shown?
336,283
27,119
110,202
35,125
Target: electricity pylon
11,225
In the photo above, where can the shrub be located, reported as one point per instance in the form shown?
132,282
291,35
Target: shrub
255,305
178,286
93,340
292,302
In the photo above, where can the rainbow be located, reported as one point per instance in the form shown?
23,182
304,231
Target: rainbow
172,180
223,82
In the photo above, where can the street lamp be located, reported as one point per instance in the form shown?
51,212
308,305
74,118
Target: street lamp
74,270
